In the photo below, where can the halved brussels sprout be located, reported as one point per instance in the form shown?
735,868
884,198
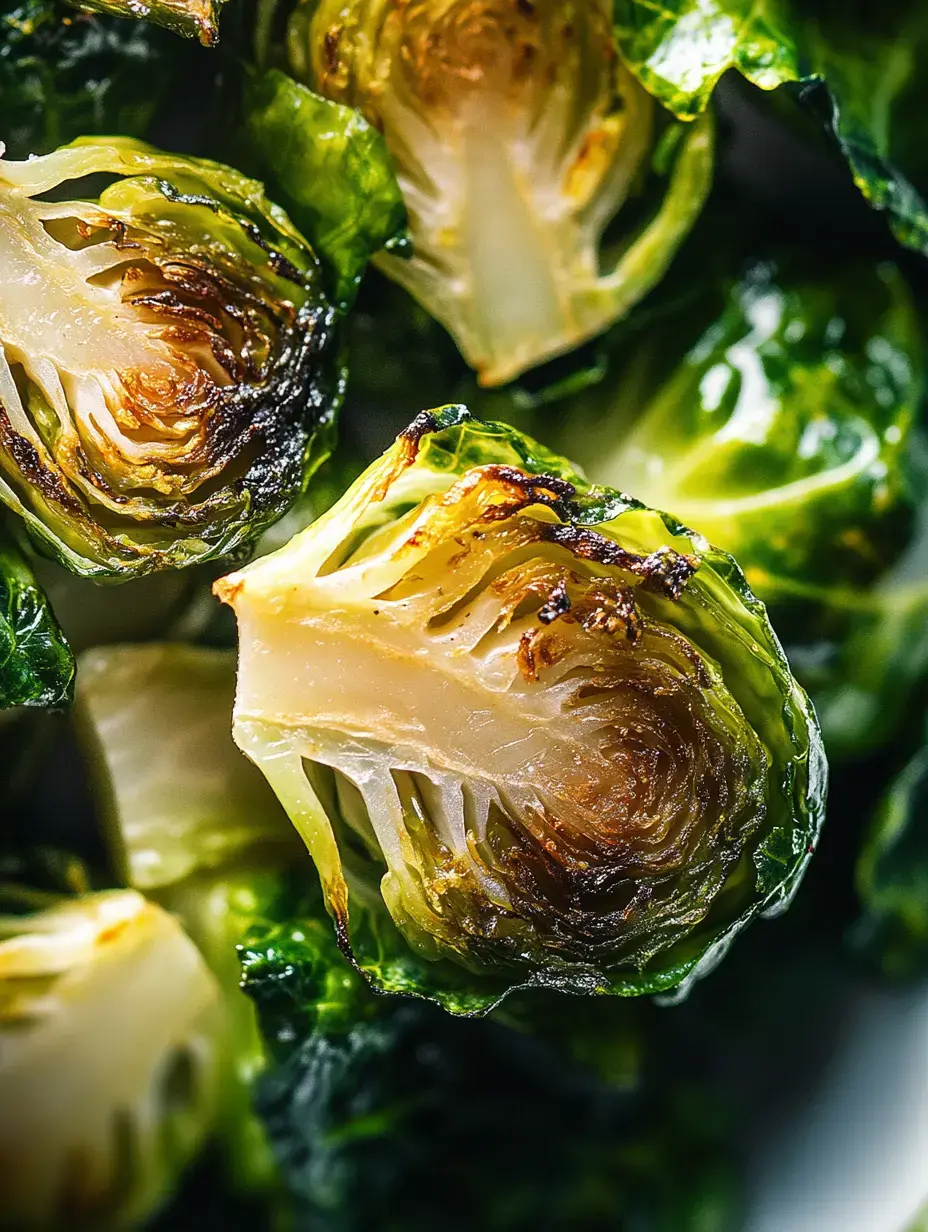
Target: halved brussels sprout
109,1071
193,824
548,728
176,794
519,138
166,358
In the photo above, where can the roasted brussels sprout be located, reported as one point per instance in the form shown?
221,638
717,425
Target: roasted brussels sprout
545,726
785,433
520,139
36,665
167,366
192,824
109,1075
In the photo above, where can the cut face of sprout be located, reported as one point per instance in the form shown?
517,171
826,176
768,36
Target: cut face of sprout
160,358
518,137
509,720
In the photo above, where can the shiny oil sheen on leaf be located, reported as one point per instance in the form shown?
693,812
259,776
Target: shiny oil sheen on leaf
36,664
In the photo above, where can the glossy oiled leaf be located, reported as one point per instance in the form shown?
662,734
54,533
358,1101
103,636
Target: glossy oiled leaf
36,665
333,171
867,55
532,732
680,48
169,368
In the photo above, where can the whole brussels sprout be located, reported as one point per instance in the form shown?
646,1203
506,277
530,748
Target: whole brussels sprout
782,426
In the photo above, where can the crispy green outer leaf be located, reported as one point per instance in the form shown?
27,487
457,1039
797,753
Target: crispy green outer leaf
36,665
333,171
892,876
865,53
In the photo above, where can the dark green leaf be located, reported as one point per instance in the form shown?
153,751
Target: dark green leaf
892,876
36,666
375,1102
65,74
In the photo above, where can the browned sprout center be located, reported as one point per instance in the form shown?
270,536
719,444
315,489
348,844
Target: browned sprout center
495,702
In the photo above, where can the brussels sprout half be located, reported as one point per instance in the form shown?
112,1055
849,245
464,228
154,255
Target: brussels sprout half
519,136
176,795
548,728
194,825
109,1067
166,358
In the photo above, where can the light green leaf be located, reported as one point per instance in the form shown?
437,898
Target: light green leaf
333,170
